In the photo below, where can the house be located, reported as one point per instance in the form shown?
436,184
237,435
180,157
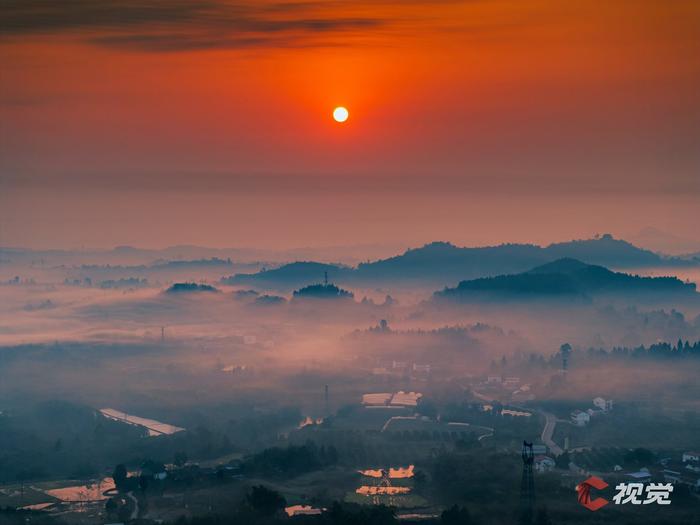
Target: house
605,405
580,418
494,379
421,368
676,475
544,464
690,456
511,381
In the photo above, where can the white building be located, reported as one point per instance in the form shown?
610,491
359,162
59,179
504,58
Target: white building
544,464
690,456
603,404
580,418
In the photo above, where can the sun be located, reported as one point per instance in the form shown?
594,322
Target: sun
340,114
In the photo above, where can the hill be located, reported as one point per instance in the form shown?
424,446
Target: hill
322,291
442,263
564,277
179,288
291,275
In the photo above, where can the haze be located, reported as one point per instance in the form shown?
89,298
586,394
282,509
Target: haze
479,120
474,302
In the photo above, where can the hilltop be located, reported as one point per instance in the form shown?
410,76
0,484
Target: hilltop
443,263
563,277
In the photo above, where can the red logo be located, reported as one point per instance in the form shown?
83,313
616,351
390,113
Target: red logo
584,493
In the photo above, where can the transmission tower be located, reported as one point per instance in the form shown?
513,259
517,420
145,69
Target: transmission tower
527,485
565,350
384,482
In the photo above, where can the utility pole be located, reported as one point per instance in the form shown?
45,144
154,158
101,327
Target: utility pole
565,350
527,484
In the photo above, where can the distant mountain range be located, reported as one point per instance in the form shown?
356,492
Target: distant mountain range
563,277
443,264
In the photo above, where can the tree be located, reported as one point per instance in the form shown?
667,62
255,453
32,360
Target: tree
265,501
543,517
180,459
639,457
456,516
119,475
143,482
525,517
111,506
562,461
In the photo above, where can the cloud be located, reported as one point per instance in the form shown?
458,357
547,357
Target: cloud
160,25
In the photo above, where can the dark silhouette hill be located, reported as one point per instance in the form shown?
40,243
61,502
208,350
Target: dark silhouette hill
322,291
183,288
442,263
291,275
564,277
607,251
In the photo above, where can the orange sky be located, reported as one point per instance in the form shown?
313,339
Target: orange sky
105,107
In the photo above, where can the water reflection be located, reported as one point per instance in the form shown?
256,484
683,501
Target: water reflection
154,428
82,493
367,490
393,473
308,420
302,510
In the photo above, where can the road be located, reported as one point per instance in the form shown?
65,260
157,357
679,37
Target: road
488,434
135,512
548,432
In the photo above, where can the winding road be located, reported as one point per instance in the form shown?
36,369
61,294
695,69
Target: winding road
135,512
548,431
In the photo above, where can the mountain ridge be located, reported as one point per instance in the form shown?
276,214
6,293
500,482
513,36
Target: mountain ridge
563,277
442,263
